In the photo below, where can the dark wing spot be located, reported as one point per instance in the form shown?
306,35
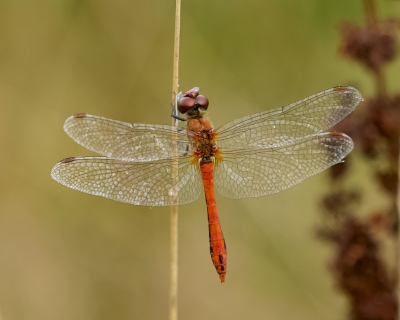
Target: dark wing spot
340,88
334,133
80,115
66,160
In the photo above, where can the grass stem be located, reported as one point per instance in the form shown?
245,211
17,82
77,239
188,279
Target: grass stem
173,295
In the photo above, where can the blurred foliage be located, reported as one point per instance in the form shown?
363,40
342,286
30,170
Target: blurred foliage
365,262
67,255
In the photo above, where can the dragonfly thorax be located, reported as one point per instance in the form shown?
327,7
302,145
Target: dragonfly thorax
205,146
203,140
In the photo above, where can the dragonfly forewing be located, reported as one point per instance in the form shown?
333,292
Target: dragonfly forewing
286,125
127,141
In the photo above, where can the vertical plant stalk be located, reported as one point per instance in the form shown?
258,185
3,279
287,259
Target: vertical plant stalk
397,245
370,13
362,268
173,294
380,81
371,18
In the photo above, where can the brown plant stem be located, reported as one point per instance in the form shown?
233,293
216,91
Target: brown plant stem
363,270
370,12
397,247
381,88
173,295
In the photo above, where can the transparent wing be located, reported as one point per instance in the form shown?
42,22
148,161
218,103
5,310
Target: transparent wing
287,124
139,183
126,141
259,172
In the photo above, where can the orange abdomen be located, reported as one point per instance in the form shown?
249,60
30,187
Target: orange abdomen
217,241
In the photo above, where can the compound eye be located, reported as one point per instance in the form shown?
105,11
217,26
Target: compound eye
185,104
202,102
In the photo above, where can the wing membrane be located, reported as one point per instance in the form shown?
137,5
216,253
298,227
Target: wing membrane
126,141
290,123
139,183
259,172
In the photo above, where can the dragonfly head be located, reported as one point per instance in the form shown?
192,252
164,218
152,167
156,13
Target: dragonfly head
192,101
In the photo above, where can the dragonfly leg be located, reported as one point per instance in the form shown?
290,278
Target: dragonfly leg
177,117
175,112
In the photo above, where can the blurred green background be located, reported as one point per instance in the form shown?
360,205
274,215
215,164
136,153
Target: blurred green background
69,255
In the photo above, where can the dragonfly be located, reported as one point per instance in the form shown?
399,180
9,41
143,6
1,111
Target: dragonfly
253,156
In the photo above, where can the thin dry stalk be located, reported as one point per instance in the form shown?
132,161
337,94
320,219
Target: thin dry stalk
173,296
